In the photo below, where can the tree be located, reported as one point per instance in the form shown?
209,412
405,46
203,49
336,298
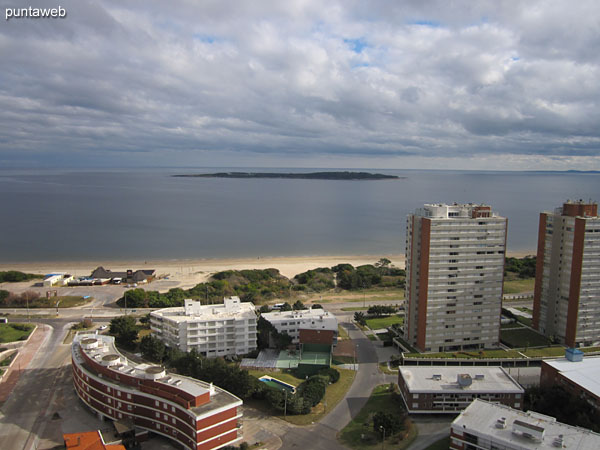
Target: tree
264,309
317,306
124,330
286,307
359,318
389,422
299,305
383,263
152,348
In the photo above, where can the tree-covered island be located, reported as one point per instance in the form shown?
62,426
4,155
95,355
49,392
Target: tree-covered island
302,176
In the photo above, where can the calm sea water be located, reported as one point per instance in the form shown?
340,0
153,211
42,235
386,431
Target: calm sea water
54,215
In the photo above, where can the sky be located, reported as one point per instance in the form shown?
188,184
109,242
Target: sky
302,83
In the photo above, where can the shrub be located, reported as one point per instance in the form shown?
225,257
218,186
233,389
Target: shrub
331,373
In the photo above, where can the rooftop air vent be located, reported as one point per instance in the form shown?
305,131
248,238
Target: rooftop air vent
437,377
501,422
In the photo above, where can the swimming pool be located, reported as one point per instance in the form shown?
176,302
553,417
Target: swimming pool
277,384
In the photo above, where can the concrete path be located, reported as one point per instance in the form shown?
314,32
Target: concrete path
21,362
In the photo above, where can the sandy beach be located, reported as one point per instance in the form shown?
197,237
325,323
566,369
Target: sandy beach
189,272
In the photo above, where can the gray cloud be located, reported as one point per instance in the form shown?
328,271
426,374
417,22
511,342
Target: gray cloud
206,81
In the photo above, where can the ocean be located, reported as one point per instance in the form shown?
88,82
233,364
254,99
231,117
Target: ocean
146,214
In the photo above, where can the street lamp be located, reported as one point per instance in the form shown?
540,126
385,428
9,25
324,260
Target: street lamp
285,403
382,429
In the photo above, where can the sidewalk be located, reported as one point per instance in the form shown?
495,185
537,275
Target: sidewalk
24,357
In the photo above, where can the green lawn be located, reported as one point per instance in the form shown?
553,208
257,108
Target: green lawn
362,425
546,351
493,353
590,349
355,308
334,393
511,325
519,285
8,332
67,301
523,337
384,322
6,361
372,337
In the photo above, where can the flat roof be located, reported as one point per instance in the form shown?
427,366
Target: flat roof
218,397
436,379
480,418
584,373
206,313
321,318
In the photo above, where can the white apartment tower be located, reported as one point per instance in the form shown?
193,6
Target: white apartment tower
212,330
454,275
566,303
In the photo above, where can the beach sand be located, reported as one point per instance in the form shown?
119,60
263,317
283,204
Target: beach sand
189,272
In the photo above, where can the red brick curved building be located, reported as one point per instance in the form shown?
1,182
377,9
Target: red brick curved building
195,414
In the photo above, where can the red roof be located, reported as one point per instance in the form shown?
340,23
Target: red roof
88,440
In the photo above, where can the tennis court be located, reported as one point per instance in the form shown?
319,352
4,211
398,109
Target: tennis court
316,358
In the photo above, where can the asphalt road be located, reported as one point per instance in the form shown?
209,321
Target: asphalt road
24,415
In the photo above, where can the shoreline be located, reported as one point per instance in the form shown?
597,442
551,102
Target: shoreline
287,265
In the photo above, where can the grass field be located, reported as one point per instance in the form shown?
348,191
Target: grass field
334,393
381,399
342,333
384,322
519,285
523,337
355,308
67,301
8,333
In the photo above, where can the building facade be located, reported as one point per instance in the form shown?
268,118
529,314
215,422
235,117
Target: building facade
306,326
448,390
578,376
485,425
566,303
454,275
212,330
194,414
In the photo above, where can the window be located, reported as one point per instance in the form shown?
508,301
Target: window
157,415
129,396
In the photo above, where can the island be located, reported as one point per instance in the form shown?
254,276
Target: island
302,176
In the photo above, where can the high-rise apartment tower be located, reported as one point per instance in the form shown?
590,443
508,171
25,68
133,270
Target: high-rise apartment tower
566,303
454,274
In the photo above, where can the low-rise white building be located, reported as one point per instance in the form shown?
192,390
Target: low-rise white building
485,425
306,325
57,279
212,330
444,389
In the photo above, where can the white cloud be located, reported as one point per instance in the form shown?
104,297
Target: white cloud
302,82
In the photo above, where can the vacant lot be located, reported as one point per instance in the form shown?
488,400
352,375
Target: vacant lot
519,285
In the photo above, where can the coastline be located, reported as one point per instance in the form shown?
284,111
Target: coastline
192,271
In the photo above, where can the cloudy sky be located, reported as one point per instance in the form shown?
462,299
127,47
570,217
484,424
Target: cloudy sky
303,83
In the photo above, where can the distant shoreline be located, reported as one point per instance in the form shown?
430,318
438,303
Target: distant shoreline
346,175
